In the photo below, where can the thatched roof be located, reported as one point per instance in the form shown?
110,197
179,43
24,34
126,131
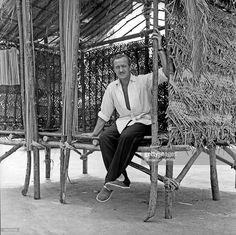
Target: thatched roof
98,17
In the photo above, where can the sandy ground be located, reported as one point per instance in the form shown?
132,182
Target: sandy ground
194,212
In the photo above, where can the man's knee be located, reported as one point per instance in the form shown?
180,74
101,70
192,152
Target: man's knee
103,136
106,136
127,136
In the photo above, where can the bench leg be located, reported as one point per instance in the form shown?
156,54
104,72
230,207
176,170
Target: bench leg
64,164
153,190
85,163
168,191
28,173
47,162
213,174
36,173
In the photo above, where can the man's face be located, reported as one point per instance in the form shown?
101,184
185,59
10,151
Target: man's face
122,68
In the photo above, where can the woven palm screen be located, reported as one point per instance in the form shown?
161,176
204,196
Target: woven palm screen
202,98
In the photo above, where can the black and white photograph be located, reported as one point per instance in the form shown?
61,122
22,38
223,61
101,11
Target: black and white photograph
118,117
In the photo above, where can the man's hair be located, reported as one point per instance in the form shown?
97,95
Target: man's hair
119,56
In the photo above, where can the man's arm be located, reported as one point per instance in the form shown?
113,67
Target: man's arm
97,129
99,126
162,53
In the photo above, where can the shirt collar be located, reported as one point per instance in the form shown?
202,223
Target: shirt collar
132,79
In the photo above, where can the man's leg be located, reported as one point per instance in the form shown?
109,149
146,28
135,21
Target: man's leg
127,145
108,143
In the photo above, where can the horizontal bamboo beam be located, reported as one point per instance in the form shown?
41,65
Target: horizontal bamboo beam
57,144
120,39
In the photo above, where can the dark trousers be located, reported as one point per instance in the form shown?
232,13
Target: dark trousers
118,149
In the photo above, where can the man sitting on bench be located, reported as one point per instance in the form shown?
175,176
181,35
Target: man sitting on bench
131,97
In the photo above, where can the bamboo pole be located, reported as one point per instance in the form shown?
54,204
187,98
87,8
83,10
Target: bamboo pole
155,141
120,39
83,87
9,152
48,84
85,162
186,168
213,174
168,191
69,23
147,15
169,162
5,106
63,75
22,81
145,170
47,162
30,83
27,174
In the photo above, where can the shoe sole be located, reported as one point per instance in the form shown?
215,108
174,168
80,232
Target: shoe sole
104,200
111,185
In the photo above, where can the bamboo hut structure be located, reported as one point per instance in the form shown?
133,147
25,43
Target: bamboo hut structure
200,40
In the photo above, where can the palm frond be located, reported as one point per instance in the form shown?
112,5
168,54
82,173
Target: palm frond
7,7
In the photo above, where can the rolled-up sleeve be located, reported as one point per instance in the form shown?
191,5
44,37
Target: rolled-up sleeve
161,76
107,106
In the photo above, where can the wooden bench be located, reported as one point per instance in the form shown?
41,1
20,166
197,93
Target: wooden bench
50,140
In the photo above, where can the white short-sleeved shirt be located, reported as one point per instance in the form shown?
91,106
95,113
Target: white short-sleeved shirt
140,97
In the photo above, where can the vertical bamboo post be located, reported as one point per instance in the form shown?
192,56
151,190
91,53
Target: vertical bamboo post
47,162
30,83
22,81
63,75
5,106
69,23
85,163
28,73
96,88
48,84
89,91
147,15
168,192
85,160
83,87
155,141
75,110
169,162
49,113
28,173
213,174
